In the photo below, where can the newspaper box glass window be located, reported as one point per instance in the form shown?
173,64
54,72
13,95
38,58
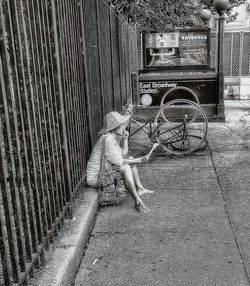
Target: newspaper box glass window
178,48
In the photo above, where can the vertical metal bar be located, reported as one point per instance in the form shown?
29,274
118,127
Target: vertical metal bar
74,96
33,196
20,219
46,95
141,53
128,42
83,121
12,164
124,54
7,200
54,102
3,239
133,55
88,101
215,49
120,56
29,194
127,57
136,52
78,66
79,91
67,87
71,94
111,55
62,110
39,192
50,114
68,93
73,71
100,57
220,106
86,136
25,57
39,111
12,147
82,97
21,149
45,107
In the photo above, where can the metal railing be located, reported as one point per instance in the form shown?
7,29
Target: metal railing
50,86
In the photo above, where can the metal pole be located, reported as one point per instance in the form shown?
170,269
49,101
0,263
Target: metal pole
220,105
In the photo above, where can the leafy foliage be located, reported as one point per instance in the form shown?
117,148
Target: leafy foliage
159,14
165,14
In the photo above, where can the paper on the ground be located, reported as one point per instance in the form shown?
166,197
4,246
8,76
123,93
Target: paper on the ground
155,145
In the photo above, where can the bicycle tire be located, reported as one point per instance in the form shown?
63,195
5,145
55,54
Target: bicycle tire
202,146
179,108
186,129
189,90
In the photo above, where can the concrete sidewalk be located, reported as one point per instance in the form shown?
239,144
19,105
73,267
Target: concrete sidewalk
198,230
196,234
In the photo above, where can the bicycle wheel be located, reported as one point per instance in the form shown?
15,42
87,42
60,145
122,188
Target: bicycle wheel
185,130
190,94
175,110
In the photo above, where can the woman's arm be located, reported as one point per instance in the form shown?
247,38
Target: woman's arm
142,159
116,157
112,152
124,144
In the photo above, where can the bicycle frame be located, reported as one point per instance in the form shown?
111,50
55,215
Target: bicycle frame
177,136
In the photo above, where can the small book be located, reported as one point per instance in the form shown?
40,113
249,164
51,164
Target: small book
155,145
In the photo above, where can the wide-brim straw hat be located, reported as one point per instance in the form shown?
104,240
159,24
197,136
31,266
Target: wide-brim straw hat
112,120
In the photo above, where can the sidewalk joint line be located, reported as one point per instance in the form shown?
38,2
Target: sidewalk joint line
228,215
230,128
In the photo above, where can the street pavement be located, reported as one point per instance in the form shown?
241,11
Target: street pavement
198,230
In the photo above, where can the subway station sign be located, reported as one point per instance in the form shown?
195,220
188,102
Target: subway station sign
177,48
152,92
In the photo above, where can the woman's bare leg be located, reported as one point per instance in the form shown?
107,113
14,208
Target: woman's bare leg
141,190
130,185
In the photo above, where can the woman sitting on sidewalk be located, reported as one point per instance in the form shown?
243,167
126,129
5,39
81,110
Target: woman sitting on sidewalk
109,157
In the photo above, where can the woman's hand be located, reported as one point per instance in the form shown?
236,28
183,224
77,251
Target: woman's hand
145,158
125,134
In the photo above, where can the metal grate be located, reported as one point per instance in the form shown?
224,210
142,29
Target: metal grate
228,54
236,53
245,54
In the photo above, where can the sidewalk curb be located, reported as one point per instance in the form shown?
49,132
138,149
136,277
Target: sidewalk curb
63,259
